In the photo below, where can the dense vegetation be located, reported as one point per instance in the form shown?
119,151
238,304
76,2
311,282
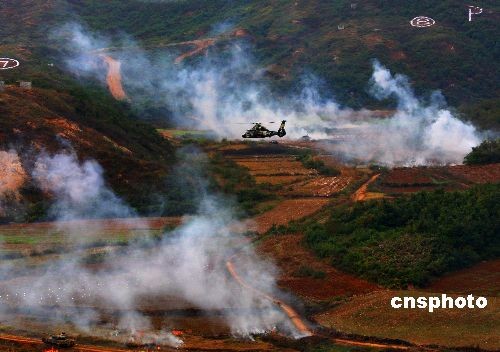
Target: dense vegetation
293,38
309,161
487,152
236,180
87,120
411,240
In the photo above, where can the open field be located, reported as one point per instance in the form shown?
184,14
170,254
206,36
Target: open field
480,279
36,238
313,279
372,315
286,211
457,177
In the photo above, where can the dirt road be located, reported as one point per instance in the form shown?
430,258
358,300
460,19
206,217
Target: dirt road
114,78
289,311
200,45
361,193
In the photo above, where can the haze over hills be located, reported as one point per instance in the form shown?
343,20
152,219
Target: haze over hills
293,38
134,214
287,45
455,55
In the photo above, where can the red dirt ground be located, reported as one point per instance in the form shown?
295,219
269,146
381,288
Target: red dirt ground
481,279
104,224
407,180
477,173
321,186
286,211
114,78
362,194
289,254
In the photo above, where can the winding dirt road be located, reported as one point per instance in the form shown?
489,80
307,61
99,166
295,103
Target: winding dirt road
114,77
289,311
200,45
360,194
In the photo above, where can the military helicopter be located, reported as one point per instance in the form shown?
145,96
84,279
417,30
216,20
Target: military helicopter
259,131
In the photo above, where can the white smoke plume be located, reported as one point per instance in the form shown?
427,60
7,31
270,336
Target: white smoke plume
186,266
79,189
221,90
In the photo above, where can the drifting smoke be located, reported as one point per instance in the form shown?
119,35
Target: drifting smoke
217,91
12,177
184,265
79,189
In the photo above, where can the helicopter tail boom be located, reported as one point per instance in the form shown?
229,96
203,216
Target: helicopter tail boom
281,130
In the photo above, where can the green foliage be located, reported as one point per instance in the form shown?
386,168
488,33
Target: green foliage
309,161
456,56
410,240
487,152
236,180
485,113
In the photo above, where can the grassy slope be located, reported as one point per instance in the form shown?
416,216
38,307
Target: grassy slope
372,315
134,156
454,55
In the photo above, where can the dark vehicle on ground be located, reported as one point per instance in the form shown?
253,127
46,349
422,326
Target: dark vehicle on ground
62,341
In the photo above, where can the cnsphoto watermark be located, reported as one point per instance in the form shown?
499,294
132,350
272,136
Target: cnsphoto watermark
435,302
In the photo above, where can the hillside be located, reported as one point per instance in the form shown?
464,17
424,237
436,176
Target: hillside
292,38
132,154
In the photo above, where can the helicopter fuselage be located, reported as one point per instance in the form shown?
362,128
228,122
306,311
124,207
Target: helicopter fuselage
259,131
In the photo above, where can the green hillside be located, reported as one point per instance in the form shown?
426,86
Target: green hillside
295,37
411,239
456,56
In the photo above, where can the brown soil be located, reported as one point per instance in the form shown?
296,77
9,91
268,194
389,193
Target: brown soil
279,180
12,174
200,45
480,279
361,194
372,315
104,224
321,186
407,176
274,166
286,211
477,173
288,310
409,180
114,78
289,254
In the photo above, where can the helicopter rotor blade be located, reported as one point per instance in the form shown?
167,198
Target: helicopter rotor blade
250,123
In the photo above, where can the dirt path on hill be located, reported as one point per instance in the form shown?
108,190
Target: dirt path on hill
289,311
360,194
200,45
114,78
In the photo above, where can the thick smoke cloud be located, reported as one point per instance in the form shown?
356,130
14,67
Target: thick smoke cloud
223,89
79,189
186,265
